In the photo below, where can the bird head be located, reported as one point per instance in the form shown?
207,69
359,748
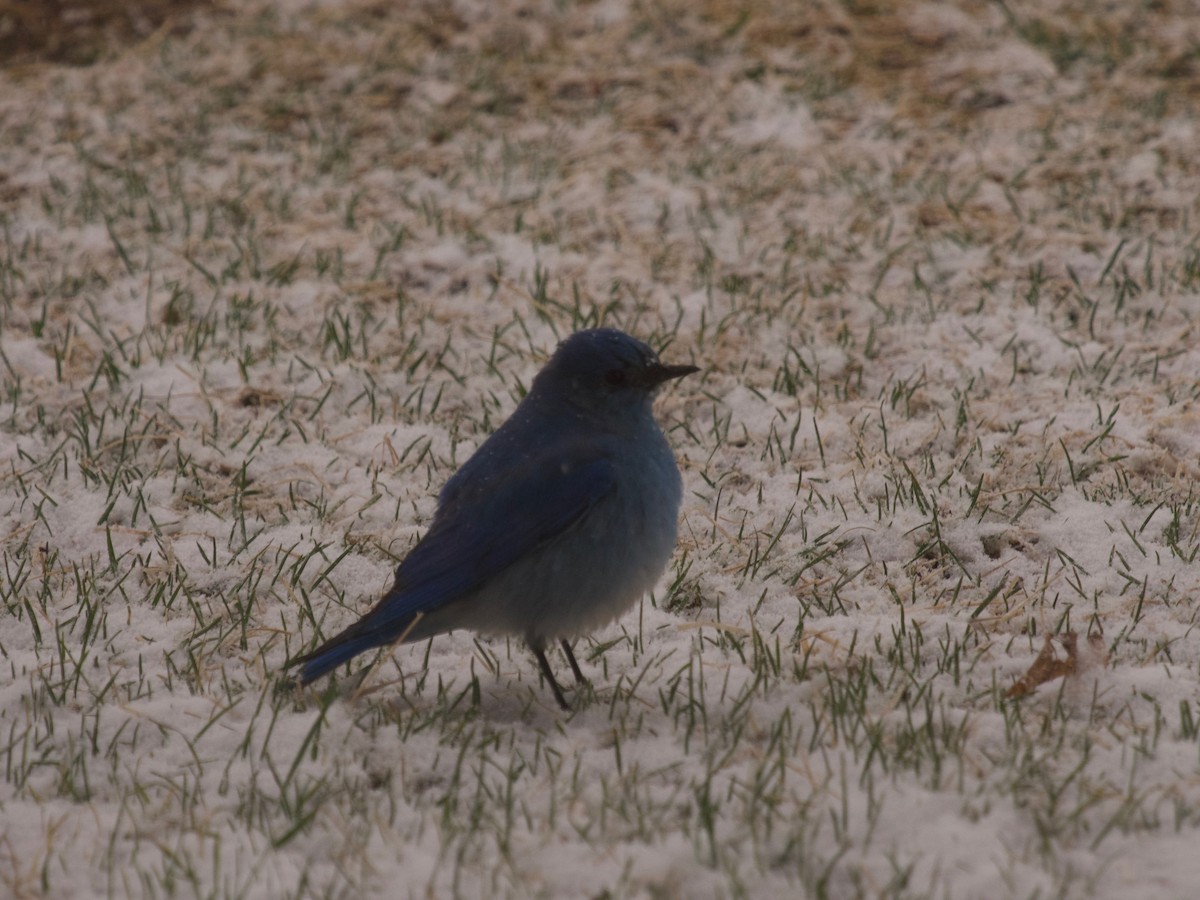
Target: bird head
606,367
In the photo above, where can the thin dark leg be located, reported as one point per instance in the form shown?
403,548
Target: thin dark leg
545,667
579,677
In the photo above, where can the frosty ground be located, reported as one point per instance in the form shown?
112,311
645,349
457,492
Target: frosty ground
270,271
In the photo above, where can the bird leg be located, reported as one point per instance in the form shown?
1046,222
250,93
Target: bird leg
545,667
579,676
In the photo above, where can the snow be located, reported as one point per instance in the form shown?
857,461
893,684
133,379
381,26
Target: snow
270,274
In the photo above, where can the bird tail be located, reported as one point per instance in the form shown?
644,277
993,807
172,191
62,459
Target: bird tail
333,653
365,634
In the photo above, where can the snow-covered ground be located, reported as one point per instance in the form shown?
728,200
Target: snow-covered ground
270,274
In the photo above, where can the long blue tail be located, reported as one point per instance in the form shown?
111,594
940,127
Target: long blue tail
429,579
330,655
366,634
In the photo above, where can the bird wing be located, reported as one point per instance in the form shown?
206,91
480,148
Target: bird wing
485,527
483,531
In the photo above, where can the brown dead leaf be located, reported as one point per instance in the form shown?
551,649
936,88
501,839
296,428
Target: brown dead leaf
1049,665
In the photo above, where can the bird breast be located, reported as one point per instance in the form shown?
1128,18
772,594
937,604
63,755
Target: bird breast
597,569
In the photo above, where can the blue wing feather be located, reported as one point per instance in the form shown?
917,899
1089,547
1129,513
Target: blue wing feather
482,527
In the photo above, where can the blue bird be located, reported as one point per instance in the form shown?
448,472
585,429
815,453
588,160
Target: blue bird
554,527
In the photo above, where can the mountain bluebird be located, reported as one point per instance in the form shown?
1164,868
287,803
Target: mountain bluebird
560,520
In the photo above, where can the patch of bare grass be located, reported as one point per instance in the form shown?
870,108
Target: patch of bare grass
80,32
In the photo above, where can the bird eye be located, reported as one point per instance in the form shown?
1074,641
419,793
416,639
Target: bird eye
615,377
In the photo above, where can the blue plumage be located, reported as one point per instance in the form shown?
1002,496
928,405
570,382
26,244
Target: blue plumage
555,526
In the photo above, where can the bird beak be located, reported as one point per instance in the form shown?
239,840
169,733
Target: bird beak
656,374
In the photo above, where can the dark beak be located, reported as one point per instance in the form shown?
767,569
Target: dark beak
656,374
